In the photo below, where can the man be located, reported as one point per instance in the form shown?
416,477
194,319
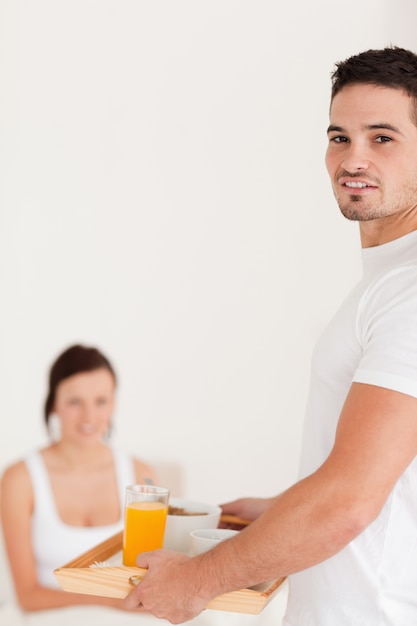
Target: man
346,533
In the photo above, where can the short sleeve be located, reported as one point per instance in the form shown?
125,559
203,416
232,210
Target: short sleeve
387,332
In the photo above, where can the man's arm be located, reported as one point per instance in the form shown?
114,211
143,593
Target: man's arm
376,440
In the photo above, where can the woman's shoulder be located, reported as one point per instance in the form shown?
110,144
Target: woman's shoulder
15,481
17,473
143,471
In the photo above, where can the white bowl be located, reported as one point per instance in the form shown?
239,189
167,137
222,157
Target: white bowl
206,538
179,527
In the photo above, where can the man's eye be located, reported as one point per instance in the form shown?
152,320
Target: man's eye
383,139
339,139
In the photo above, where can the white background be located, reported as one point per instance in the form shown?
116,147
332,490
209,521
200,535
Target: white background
164,197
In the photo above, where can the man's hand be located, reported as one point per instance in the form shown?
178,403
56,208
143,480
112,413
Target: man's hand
247,509
170,589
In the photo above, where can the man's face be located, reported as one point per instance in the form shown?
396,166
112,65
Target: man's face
372,153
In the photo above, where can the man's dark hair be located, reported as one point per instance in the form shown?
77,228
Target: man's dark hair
391,67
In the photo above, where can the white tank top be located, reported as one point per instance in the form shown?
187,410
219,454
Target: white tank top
54,542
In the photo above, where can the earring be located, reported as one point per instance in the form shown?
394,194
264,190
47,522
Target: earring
54,427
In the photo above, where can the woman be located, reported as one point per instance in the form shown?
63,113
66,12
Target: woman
62,500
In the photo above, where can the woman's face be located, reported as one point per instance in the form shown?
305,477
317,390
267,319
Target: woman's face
85,403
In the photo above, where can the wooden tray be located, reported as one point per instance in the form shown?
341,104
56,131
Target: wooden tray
78,576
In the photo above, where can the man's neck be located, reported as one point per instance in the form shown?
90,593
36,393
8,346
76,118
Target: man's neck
379,231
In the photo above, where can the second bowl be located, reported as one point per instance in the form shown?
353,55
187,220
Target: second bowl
183,517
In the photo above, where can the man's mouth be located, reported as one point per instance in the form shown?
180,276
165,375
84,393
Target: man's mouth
350,183
356,185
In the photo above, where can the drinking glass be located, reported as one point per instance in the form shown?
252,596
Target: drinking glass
146,509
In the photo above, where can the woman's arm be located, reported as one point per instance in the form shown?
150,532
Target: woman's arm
144,473
16,510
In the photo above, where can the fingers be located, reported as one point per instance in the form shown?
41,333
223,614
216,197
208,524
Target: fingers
143,560
132,600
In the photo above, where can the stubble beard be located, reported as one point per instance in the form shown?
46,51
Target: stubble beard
354,210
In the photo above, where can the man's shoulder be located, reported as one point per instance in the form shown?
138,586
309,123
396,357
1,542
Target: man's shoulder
394,281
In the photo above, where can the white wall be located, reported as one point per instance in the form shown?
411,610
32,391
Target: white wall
163,196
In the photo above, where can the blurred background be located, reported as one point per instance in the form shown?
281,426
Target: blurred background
164,197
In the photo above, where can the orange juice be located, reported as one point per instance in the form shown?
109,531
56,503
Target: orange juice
144,529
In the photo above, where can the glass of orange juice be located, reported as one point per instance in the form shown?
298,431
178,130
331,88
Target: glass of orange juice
146,510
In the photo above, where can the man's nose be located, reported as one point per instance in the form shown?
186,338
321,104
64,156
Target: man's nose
356,158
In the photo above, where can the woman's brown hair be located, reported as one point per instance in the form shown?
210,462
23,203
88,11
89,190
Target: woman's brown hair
74,360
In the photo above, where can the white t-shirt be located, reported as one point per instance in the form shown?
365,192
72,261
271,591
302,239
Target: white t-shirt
372,339
54,542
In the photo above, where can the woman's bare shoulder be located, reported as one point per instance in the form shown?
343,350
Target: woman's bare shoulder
143,471
14,473
17,474
16,485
